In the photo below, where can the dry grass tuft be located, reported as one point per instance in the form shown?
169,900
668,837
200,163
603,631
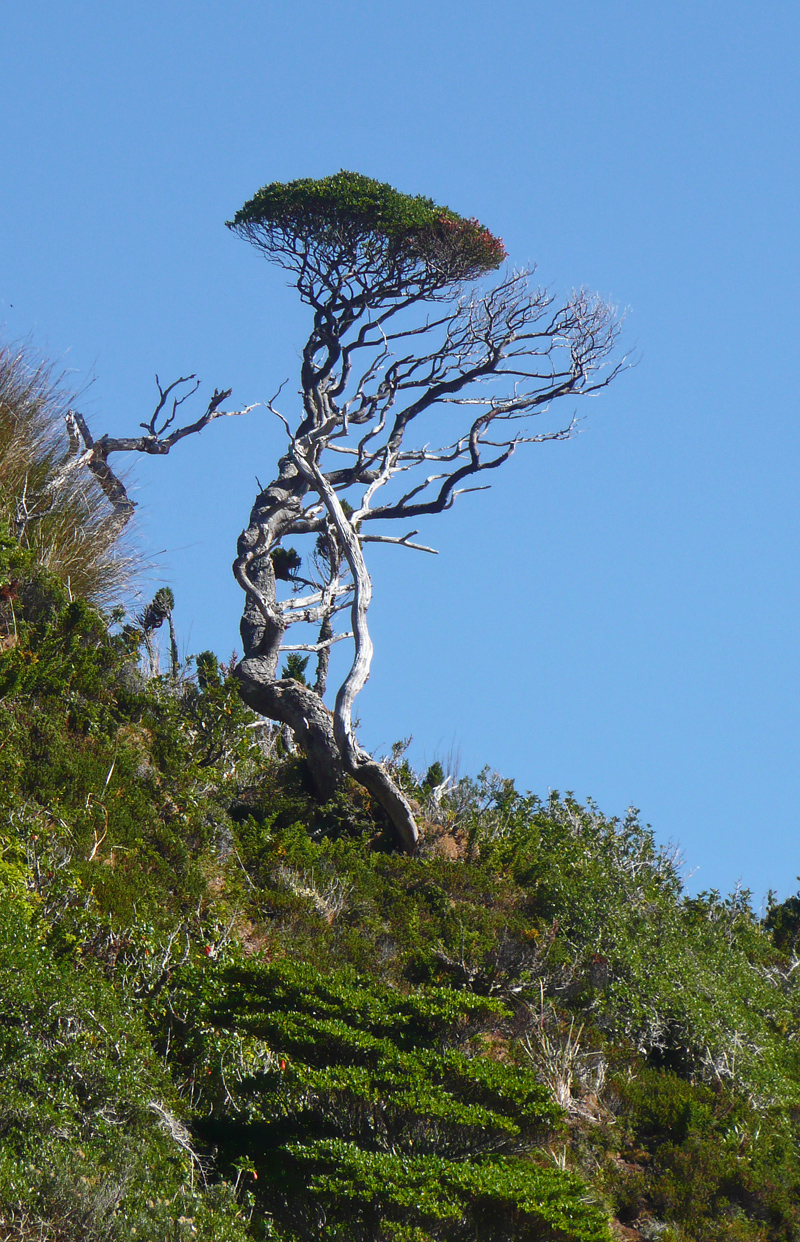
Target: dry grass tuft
51,502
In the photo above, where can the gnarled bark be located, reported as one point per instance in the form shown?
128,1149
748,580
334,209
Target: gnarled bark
297,706
326,739
303,711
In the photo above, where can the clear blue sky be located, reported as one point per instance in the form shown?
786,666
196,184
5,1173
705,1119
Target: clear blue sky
619,615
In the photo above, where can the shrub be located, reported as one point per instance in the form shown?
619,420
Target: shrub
369,1113
92,1145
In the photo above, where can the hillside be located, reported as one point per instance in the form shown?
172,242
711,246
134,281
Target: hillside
229,1011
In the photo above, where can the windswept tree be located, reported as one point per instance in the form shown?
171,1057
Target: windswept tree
415,381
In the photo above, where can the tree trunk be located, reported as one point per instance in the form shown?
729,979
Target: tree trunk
361,766
304,712
377,781
326,739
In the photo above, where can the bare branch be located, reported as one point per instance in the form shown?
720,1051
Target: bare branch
321,646
97,452
402,541
95,462
164,394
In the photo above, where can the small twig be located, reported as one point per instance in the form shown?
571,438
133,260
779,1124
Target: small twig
98,841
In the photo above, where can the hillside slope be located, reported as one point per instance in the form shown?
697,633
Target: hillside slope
231,1012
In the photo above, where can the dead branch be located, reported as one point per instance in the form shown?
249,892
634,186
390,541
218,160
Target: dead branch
96,452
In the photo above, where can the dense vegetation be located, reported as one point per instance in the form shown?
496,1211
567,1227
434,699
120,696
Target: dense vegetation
231,1012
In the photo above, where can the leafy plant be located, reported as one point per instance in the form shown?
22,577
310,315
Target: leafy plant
92,1141
364,1110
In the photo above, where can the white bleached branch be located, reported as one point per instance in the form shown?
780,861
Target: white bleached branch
402,541
328,642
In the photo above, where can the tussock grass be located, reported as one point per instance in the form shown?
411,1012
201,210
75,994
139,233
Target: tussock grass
51,502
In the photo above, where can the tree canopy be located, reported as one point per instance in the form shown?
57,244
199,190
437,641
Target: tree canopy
347,219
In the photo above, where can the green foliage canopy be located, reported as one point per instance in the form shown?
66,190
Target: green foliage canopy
348,217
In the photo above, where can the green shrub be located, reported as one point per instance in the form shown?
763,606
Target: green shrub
706,1160
364,1111
92,1144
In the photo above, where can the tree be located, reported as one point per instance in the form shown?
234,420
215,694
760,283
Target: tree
405,352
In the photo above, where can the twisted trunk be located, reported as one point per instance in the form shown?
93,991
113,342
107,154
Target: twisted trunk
326,739
360,765
300,708
297,706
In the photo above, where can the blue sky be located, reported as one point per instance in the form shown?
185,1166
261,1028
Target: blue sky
619,615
